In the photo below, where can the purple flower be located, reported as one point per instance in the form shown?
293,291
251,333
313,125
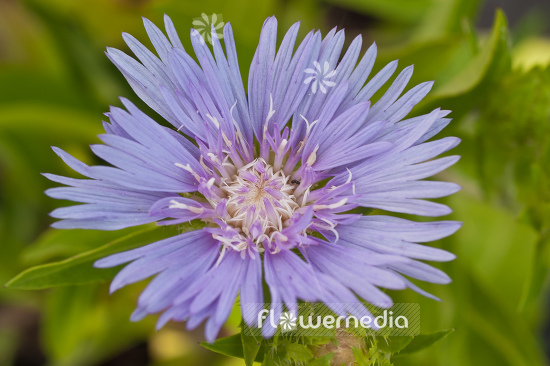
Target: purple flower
277,175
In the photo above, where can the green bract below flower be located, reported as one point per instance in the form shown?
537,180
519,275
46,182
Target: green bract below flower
275,175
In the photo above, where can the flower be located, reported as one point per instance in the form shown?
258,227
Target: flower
279,176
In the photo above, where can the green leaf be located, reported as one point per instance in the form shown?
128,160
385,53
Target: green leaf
513,166
270,361
403,11
298,352
495,51
79,269
238,346
47,120
83,326
392,345
446,16
227,346
321,361
82,59
54,243
360,357
66,311
422,341
251,346
489,319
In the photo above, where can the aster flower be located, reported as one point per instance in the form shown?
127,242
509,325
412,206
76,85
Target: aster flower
279,176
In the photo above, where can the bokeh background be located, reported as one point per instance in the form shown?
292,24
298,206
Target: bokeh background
490,67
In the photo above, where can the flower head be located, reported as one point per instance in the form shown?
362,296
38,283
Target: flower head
278,176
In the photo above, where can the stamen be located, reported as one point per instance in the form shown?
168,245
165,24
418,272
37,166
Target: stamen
183,206
312,157
331,206
214,120
189,169
213,157
255,204
271,110
259,196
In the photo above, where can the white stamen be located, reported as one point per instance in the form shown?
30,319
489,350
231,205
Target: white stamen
214,121
283,237
183,206
308,126
340,203
188,169
206,168
331,228
210,183
271,110
238,132
264,133
349,176
249,200
312,157
258,200
213,157
282,147
226,140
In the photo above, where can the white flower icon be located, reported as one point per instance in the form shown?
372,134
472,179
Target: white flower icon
207,27
320,76
287,321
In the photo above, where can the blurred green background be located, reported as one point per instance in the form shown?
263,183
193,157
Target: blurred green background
490,68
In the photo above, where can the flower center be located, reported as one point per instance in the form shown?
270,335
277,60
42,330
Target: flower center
257,194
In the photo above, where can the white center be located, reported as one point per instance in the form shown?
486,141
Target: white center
257,194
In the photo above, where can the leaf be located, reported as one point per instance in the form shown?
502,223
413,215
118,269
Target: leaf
403,11
238,345
360,357
49,120
392,345
54,243
270,361
227,346
79,269
445,16
321,361
513,164
298,352
422,341
83,326
507,244
489,319
493,53
66,311
81,58
251,346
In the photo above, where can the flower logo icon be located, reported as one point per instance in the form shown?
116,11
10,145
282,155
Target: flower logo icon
207,27
320,76
287,322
